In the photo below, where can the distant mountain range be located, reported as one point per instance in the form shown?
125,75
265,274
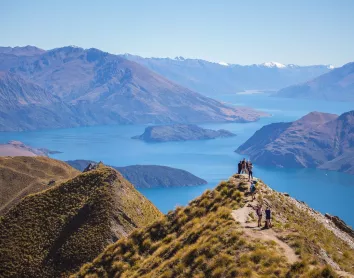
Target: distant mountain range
213,79
336,85
318,140
71,86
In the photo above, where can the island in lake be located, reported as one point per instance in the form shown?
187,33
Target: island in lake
180,132
148,176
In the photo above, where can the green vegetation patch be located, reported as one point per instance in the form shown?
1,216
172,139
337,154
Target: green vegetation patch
52,233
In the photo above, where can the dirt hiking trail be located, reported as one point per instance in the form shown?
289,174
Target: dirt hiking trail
251,230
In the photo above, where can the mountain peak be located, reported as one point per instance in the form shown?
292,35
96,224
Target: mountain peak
273,65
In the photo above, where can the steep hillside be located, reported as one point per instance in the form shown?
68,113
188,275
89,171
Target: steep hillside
336,85
180,132
100,88
212,237
213,79
316,140
25,105
53,232
149,176
21,176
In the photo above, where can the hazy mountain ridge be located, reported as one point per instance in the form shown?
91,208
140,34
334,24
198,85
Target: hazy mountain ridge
96,87
318,140
220,78
336,85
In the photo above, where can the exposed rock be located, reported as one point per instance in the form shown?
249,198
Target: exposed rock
341,224
91,167
317,140
51,182
179,132
148,176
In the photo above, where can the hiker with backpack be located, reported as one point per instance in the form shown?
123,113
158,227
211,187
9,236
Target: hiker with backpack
253,190
259,212
268,213
250,170
243,171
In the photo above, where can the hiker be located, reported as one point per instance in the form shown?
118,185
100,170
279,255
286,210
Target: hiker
259,213
243,171
250,170
239,167
268,213
253,191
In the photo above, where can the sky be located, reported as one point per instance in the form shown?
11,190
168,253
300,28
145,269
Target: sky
299,32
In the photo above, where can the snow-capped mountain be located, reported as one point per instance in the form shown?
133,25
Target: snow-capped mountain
273,65
213,78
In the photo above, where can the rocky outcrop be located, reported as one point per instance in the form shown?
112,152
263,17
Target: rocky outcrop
147,176
317,140
180,132
341,224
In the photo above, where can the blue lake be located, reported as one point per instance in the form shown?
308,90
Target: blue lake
213,160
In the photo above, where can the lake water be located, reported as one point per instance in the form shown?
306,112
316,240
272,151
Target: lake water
212,160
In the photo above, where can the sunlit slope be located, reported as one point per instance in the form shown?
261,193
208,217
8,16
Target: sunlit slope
53,232
20,176
206,239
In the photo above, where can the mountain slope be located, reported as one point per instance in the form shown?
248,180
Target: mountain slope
21,176
220,78
337,85
24,106
316,140
204,240
149,176
101,88
53,232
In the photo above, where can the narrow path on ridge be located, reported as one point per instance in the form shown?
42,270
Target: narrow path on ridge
251,230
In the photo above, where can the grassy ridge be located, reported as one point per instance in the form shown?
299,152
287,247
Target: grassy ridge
20,176
53,232
203,240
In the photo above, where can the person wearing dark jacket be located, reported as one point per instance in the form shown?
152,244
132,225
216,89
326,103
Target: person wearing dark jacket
239,167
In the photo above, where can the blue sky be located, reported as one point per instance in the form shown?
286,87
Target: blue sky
245,32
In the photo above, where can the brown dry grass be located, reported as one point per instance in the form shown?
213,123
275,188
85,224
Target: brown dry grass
20,176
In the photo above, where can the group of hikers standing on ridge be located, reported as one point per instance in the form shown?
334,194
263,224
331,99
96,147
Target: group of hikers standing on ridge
246,167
